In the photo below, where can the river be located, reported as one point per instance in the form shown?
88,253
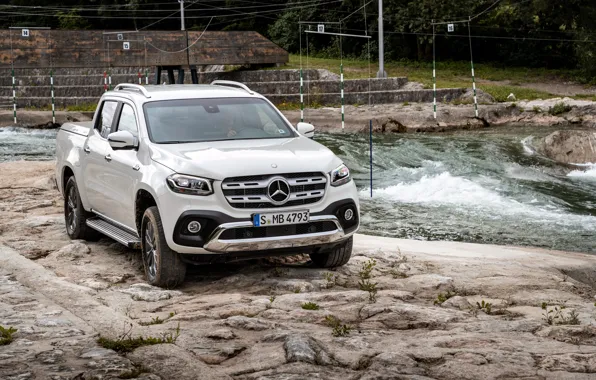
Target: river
485,186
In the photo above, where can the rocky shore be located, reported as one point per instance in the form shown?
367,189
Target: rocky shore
400,309
396,118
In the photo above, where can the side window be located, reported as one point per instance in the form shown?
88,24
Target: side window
106,118
128,121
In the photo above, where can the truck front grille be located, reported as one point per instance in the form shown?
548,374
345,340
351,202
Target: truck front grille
253,192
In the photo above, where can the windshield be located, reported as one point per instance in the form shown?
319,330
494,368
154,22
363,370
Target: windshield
197,120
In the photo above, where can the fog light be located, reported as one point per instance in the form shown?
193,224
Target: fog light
349,214
247,234
194,227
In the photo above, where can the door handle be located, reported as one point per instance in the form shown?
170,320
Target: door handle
137,167
87,150
108,158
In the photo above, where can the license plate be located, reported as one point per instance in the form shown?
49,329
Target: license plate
280,218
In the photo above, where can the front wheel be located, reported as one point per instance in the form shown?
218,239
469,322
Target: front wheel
163,267
336,257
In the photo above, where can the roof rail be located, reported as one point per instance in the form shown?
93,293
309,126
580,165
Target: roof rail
230,83
132,87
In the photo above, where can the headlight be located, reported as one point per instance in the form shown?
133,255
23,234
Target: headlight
340,175
185,184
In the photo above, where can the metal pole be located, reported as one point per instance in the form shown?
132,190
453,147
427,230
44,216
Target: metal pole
181,14
140,78
371,158
105,81
14,99
146,77
301,97
381,73
473,78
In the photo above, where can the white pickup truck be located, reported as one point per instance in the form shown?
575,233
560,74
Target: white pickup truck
195,174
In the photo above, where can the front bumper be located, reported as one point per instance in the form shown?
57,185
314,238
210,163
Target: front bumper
219,245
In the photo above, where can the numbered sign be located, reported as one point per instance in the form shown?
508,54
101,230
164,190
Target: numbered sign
321,28
450,27
120,36
25,32
126,46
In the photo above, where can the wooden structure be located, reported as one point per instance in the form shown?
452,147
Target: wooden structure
40,49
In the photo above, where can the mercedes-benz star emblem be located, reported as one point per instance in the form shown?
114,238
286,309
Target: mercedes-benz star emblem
278,191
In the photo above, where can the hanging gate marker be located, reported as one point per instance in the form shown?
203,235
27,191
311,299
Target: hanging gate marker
301,97
14,98
341,78
434,77
472,63
371,157
52,91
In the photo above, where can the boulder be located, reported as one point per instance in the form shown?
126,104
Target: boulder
483,97
570,147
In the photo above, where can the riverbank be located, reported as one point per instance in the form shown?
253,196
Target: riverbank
395,118
441,310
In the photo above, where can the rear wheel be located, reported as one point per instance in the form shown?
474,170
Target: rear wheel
163,267
75,216
336,257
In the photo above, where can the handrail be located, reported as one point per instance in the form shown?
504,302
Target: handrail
231,83
132,87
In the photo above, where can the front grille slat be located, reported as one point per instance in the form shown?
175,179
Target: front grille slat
277,231
250,192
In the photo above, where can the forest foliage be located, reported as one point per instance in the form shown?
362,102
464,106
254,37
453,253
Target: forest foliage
531,33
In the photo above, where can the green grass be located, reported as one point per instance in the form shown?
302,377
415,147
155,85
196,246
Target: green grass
86,107
449,75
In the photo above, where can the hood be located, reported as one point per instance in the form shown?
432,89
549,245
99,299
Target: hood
233,158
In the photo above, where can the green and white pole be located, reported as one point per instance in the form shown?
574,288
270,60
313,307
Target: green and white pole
14,98
434,77
52,91
472,65
301,97
146,77
341,86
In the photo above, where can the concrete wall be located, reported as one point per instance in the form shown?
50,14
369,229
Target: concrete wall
84,86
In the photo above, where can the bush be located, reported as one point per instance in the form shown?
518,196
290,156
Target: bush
559,109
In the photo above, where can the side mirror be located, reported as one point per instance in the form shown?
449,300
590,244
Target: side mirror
308,130
122,140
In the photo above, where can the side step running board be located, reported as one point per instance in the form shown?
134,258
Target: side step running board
116,233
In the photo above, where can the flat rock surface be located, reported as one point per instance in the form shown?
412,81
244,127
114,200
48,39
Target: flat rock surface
442,310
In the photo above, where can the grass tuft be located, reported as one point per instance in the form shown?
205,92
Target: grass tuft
559,109
6,335
339,329
310,306
127,343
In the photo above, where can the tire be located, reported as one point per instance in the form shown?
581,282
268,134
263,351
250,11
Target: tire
163,267
75,216
337,257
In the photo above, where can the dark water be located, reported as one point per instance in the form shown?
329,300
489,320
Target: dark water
485,186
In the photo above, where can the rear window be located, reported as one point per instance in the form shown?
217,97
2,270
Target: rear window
198,120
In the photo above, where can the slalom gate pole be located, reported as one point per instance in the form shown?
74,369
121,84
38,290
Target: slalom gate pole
53,102
105,81
371,157
140,78
14,98
110,80
473,77
146,77
341,86
434,76
301,97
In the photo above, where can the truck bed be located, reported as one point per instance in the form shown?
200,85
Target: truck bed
81,128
